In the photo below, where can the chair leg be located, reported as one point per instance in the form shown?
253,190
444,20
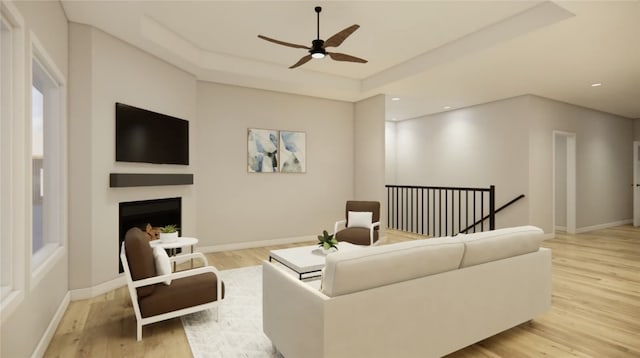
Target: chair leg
139,331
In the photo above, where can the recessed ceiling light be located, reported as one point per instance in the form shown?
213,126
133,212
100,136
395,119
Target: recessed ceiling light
447,107
596,84
395,98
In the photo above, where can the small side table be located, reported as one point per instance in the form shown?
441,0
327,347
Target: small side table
174,245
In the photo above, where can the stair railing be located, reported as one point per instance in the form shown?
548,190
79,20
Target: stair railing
440,211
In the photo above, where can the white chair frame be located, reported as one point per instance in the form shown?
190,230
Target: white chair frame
343,223
133,292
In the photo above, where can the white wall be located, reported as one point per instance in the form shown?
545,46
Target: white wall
509,143
236,207
226,205
603,157
25,325
390,153
636,129
471,147
369,156
105,70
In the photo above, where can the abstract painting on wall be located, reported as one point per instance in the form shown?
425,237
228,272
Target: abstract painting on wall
262,149
293,156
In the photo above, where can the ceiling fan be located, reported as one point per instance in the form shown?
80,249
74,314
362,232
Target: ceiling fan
318,46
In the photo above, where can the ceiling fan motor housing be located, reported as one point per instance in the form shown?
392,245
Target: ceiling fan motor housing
317,49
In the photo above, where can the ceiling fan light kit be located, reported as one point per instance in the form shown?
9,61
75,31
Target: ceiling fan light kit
318,46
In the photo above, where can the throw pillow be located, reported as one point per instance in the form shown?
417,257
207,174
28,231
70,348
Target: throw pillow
359,219
163,264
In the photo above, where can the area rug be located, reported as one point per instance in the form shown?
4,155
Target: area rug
238,333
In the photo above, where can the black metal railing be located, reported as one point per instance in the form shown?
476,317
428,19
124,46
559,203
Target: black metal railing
440,211
466,230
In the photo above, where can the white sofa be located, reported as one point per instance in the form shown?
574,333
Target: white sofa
422,298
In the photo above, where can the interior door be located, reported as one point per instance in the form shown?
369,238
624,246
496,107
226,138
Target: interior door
636,183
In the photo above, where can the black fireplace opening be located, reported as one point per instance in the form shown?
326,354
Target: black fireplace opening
158,212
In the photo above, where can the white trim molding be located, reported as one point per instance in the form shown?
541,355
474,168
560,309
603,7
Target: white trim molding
91,292
603,226
261,243
41,348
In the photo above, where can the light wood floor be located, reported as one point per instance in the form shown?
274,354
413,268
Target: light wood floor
595,308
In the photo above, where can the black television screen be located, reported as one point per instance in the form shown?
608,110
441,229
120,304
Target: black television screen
149,137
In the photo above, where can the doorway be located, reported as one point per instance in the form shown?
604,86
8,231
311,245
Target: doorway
564,181
636,183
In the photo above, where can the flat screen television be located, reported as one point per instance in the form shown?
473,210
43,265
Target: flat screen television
148,137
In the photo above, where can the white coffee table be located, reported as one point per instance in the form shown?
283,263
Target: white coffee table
307,261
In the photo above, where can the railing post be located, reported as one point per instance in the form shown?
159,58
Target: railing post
492,207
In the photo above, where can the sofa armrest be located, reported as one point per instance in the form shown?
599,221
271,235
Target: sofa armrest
178,259
293,313
371,230
176,275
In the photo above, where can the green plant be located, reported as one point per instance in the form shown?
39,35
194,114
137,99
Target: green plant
327,241
168,229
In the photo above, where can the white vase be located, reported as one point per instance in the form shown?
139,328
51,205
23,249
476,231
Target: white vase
328,251
168,236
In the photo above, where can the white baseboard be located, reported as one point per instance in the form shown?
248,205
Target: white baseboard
84,293
603,226
252,244
41,348
561,228
548,236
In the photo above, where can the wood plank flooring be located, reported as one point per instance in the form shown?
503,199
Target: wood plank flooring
595,308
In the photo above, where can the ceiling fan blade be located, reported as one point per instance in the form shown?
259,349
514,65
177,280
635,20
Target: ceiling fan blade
338,38
302,61
283,43
342,57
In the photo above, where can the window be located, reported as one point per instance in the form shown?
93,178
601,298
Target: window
37,168
48,164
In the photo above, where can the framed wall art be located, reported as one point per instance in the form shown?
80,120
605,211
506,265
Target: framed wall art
293,152
262,150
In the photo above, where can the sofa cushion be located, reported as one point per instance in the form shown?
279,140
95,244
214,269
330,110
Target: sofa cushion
371,206
347,272
140,259
499,244
184,292
357,235
359,219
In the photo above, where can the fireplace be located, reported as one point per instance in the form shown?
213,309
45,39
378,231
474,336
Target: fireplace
158,212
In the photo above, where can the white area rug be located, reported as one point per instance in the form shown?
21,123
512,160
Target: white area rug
238,333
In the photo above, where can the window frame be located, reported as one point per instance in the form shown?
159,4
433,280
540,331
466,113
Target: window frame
11,122
55,183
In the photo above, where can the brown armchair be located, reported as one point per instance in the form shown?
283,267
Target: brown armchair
359,231
189,291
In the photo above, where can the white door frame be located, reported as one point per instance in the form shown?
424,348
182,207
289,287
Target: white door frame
636,183
571,180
